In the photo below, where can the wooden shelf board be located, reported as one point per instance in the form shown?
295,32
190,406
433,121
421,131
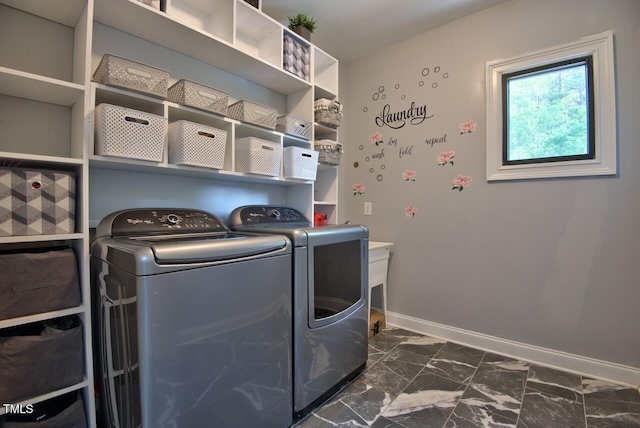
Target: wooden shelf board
187,171
41,317
21,84
66,12
39,238
51,161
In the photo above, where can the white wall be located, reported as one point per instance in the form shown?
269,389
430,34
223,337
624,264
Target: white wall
550,263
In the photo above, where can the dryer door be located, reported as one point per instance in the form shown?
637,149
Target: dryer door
338,270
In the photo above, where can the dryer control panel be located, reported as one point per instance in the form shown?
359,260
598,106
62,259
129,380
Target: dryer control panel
163,221
266,214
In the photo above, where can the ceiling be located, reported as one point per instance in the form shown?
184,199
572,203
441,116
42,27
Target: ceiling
349,29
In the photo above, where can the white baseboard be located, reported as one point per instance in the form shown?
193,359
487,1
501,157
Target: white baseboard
577,364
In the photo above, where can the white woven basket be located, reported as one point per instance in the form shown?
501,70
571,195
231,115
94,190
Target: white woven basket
199,96
197,145
128,133
329,152
134,76
292,125
300,163
257,114
258,156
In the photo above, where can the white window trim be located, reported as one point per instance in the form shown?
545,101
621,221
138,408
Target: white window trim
599,46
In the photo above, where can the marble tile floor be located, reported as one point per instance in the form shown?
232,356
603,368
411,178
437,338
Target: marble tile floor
415,381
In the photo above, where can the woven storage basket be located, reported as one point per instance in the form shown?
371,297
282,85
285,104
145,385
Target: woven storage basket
300,163
134,76
293,126
327,112
257,114
63,411
199,96
329,152
296,59
198,145
37,282
40,358
258,156
36,202
129,133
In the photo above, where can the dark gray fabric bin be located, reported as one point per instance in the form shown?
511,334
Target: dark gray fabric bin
39,358
72,416
33,283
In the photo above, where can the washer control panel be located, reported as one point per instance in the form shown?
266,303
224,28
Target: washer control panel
261,214
165,221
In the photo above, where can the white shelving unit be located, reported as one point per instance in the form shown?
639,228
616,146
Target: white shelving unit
48,53
43,76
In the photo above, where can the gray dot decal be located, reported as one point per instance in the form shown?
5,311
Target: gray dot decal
445,75
421,83
361,147
437,69
397,86
383,96
375,96
367,158
403,97
381,89
425,71
356,164
379,177
365,109
435,85
370,169
382,166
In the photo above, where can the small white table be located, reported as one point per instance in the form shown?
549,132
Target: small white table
378,268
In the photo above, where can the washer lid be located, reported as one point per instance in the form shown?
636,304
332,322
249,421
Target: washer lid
211,248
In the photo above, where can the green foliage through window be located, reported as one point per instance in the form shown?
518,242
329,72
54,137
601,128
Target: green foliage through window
548,113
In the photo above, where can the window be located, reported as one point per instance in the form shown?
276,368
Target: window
552,113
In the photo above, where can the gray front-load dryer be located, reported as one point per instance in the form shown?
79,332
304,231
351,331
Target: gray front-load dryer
192,322
330,285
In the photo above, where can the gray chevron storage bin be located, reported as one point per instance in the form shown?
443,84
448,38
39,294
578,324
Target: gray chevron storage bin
37,202
297,57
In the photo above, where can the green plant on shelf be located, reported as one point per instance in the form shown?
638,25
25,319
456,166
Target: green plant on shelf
302,20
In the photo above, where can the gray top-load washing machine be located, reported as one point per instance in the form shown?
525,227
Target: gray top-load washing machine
330,285
192,322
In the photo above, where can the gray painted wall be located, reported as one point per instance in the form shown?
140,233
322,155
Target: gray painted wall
552,263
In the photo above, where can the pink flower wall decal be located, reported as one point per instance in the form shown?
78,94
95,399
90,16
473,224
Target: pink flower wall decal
461,181
467,127
358,189
409,175
446,157
410,211
375,138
